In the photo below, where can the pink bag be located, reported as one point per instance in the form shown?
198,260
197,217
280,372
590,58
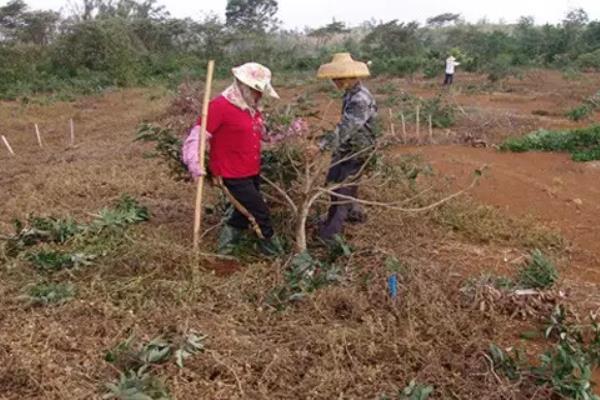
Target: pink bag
190,151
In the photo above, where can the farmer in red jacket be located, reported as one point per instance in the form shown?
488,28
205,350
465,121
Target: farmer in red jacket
235,128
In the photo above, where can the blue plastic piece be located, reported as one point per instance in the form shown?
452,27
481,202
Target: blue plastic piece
393,286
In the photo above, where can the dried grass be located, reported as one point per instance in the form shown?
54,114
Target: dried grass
347,341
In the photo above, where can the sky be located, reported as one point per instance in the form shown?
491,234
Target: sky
314,13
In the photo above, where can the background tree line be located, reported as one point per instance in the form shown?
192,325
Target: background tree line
101,43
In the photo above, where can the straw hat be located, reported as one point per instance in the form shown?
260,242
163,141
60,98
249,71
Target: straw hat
343,66
256,76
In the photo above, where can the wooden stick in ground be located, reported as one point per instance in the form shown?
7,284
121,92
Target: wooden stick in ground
72,137
38,135
429,120
201,156
392,127
403,127
418,123
10,150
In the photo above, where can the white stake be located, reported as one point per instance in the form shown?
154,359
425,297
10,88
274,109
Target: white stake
38,135
403,127
8,145
72,125
418,124
392,127
430,129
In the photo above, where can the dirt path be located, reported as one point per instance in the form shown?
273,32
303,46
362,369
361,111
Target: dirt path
562,194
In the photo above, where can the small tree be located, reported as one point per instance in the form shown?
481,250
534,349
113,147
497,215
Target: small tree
443,19
256,16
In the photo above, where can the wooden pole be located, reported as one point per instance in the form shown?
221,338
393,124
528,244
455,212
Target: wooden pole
418,123
72,126
403,127
429,120
202,160
38,135
10,150
392,127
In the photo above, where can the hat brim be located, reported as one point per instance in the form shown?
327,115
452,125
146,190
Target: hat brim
343,70
267,89
270,91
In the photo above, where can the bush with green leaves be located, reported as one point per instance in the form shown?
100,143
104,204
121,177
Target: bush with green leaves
538,273
41,230
135,360
44,293
133,355
127,211
582,143
589,61
137,385
167,148
305,274
584,110
580,112
52,261
566,369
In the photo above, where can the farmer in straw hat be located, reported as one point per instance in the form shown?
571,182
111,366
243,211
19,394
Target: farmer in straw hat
354,135
235,128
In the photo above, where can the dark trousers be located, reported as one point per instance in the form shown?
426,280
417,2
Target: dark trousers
449,79
339,213
247,192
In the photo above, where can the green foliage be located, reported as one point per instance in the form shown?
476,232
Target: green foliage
40,230
398,66
589,61
131,355
566,368
583,143
167,148
137,385
51,261
499,68
414,391
443,114
107,47
127,42
43,294
505,363
251,15
304,275
538,273
580,112
126,212
392,38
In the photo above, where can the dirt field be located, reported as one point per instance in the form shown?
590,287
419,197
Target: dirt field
344,342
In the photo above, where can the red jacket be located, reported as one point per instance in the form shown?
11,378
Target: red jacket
235,143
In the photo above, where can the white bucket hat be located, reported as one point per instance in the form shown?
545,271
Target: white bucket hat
256,76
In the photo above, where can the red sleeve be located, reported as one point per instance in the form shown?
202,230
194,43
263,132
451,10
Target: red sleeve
215,116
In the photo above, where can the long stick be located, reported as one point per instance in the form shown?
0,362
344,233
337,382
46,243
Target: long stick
403,126
72,126
8,145
392,127
430,128
201,150
38,135
418,123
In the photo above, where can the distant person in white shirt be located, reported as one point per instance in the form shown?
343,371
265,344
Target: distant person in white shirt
451,64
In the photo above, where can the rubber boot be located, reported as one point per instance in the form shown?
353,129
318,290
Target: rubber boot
228,238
